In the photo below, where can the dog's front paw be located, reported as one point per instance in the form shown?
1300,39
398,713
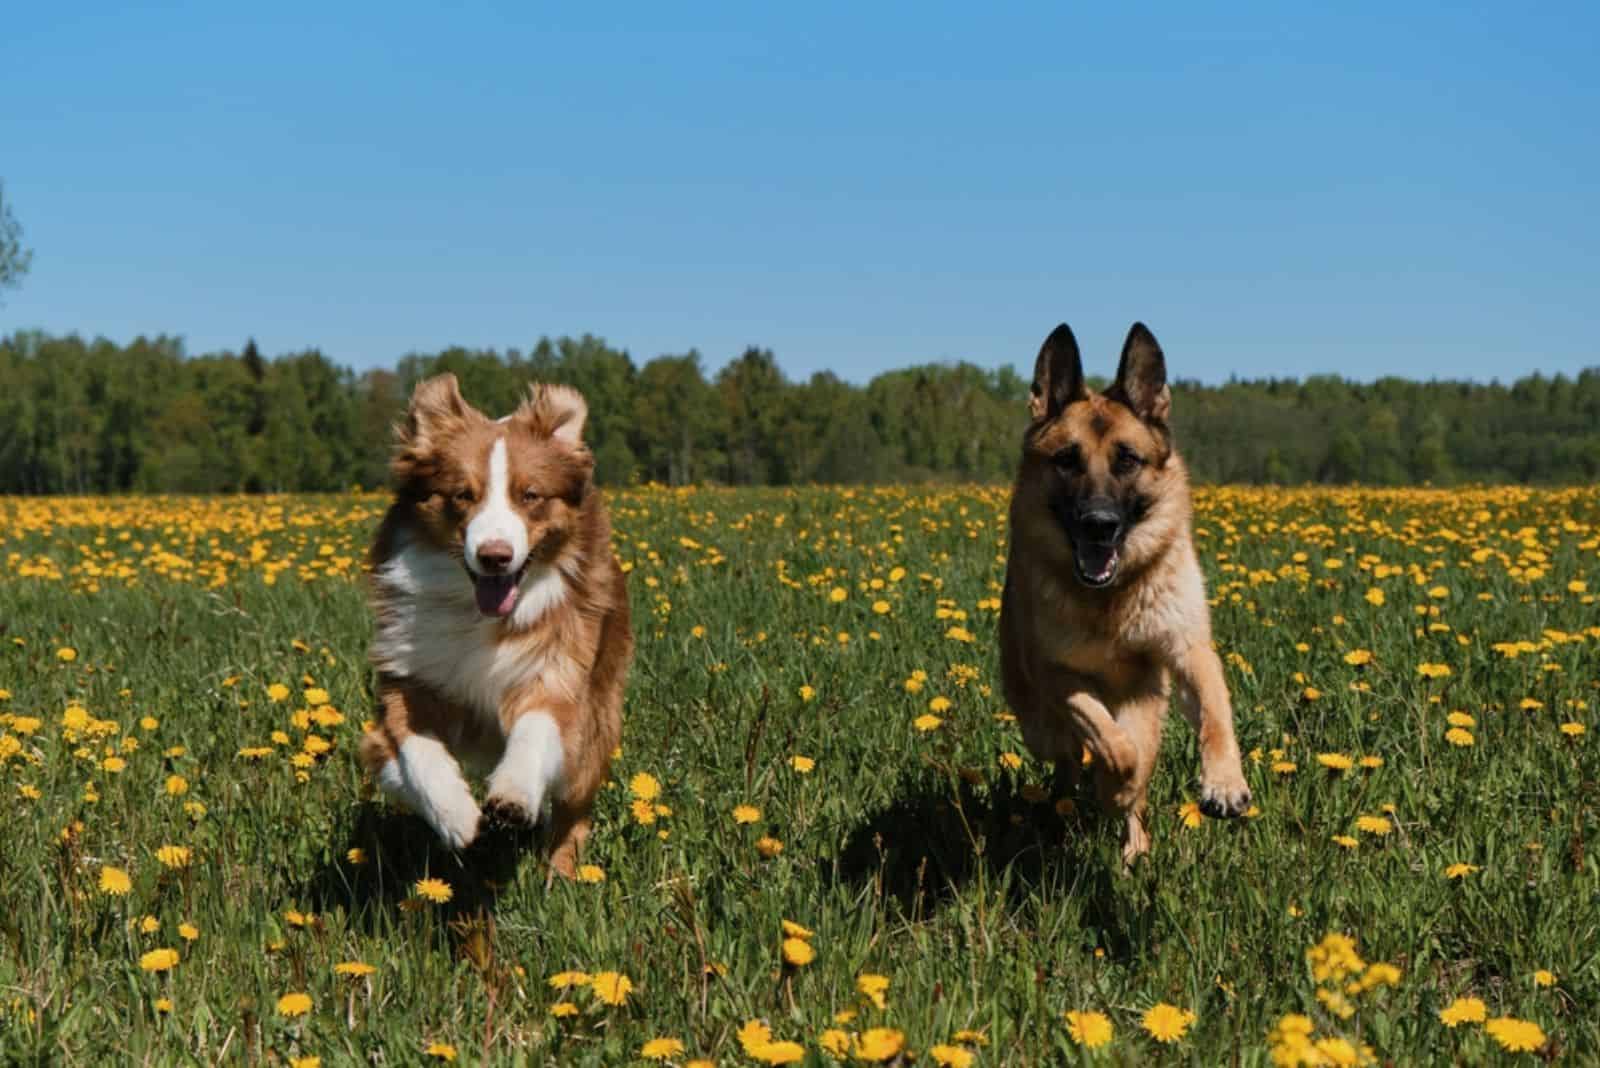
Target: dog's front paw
1224,797
511,811
456,824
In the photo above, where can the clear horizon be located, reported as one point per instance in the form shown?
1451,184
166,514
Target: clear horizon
1277,194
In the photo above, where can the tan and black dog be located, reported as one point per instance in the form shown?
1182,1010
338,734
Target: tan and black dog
1105,606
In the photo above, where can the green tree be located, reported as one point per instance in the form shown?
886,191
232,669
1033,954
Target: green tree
14,259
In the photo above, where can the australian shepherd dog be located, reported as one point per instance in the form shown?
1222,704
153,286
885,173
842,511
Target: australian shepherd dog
502,637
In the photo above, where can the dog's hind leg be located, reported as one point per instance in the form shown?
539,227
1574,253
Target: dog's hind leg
1142,719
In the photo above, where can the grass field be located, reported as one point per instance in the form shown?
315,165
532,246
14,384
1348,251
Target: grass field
191,869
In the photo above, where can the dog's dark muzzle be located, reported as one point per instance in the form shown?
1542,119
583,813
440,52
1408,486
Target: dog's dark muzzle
1096,534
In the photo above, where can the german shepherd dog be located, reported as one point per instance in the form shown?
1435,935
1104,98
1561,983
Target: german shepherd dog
1104,605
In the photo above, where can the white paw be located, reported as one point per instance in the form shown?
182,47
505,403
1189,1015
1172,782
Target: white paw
531,766
435,790
455,820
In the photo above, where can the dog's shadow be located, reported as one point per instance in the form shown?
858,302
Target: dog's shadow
917,853
374,876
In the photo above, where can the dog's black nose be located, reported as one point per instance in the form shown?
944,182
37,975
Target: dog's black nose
1100,526
494,556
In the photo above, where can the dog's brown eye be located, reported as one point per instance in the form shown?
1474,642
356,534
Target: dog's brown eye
464,497
1127,461
1069,459
530,497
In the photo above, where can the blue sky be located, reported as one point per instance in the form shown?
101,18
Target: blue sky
1359,189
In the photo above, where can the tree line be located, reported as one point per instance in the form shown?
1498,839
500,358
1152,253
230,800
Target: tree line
82,416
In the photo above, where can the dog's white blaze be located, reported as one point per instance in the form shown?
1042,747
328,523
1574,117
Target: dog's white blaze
532,763
430,629
437,790
497,520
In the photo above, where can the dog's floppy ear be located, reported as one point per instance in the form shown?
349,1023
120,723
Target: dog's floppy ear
437,410
555,412
1142,377
1057,375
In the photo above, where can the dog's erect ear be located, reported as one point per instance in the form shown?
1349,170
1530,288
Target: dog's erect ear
1142,377
437,411
1057,375
556,412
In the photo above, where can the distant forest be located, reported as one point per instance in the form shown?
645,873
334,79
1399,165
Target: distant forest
96,417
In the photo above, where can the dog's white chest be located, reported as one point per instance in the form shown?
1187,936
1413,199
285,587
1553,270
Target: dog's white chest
430,630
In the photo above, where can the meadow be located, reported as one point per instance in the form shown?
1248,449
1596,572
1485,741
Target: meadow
823,840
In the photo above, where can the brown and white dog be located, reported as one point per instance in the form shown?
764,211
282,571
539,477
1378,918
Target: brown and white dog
502,634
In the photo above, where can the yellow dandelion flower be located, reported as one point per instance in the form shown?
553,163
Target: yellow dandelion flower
612,988
115,881
1544,977
952,1056
353,968
1335,762
753,1035
176,786
1166,1023
644,786
563,980
798,952
1434,671
927,722
661,1049
1572,729
1460,870
874,988
794,930
1518,1036
836,1042
591,873
1344,840
879,1043
188,932
174,856
1089,1029
1464,1010
159,960
1189,813
746,814
442,1051
802,764
563,1008
1375,825
1010,761
1459,736
294,1004
769,846
66,654
277,692
435,890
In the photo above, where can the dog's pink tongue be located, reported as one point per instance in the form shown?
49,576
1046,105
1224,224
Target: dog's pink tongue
497,594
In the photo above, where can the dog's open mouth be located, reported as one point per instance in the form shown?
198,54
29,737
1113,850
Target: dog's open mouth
497,594
1096,563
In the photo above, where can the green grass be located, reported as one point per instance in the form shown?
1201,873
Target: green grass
916,855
